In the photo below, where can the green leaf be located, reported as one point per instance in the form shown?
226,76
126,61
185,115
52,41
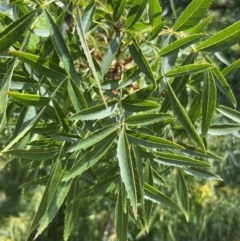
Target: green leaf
52,185
135,12
139,105
110,54
223,86
155,12
91,158
223,129
86,51
150,141
182,191
44,66
192,15
140,60
151,193
94,138
187,69
183,118
155,32
61,48
209,97
29,99
178,160
68,137
40,154
202,174
126,169
14,31
99,189
87,17
175,46
118,9
221,40
229,113
134,76
96,112
147,119
230,69
121,218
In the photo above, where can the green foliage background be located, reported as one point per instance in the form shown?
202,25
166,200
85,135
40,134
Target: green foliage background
213,212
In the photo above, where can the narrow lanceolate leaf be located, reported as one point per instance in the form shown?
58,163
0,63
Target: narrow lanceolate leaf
56,202
140,60
148,119
139,105
29,99
99,189
4,94
229,113
94,138
187,69
223,129
183,43
71,211
155,13
182,191
202,174
91,158
230,69
52,185
199,27
61,48
121,218
178,160
41,65
86,51
14,31
151,193
192,15
183,118
221,40
135,12
223,85
118,9
88,16
40,154
126,169
150,141
208,101
110,54
96,112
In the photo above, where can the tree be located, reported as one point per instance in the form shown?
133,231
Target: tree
105,99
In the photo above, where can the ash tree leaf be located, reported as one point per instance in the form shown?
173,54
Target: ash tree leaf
118,9
182,191
135,12
14,31
223,129
151,193
41,65
96,112
223,85
155,13
192,15
175,46
209,97
221,40
88,16
178,160
187,69
94,138
229,113
147,119
126,169
202,174
29,99
139,105
183,118
61,48
140,60
230,69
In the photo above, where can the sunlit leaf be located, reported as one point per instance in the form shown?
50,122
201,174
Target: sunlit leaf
139,105
229,113
223,129
118,9
155,12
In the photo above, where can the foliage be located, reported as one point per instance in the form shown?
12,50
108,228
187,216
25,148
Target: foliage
106,99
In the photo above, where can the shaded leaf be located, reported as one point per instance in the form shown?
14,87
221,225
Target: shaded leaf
118,9
154,12
88,16
229,113
230,69
139,105
199,27
223,129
